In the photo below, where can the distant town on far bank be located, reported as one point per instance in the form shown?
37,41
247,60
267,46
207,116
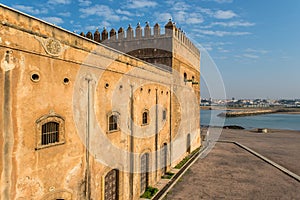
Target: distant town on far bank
251,103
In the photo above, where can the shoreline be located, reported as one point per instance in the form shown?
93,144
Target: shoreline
241,112
249,129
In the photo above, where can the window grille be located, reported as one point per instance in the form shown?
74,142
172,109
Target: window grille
50,130
50,133
113,123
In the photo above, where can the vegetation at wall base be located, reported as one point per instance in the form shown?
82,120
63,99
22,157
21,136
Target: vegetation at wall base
167,175
183,161
149,193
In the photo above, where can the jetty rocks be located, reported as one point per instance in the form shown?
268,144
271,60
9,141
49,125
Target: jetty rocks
243,113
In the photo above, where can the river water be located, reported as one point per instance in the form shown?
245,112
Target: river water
272,121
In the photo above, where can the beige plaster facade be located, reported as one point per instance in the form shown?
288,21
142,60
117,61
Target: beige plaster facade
78,117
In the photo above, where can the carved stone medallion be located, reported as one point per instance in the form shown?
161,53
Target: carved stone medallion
51,46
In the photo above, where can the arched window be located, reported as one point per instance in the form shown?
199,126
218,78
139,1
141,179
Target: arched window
50,130
164,157
111,185
184,77
145,116
144,172
113,121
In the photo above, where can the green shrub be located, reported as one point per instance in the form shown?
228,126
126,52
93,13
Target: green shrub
181,163
149,193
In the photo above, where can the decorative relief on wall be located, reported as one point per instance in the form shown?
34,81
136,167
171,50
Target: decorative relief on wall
52,47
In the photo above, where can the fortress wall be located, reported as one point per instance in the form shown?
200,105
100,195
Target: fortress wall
30,47
171,40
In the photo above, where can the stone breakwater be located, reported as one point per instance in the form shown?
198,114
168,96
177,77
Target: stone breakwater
245,113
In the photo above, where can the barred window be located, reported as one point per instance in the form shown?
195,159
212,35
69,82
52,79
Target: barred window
50,130
113,122
50,133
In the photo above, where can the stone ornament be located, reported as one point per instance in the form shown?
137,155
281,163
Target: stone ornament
52,46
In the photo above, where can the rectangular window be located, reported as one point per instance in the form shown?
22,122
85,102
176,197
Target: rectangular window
164,115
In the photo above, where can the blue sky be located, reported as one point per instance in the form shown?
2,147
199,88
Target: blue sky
254,43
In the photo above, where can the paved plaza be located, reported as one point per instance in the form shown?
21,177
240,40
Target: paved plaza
230,172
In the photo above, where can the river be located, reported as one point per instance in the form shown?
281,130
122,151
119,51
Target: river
272,121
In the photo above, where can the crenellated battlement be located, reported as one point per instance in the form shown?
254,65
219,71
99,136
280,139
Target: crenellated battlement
169,39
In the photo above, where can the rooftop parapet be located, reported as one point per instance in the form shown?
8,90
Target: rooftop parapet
170,30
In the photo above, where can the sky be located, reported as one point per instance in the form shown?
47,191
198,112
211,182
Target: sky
255,44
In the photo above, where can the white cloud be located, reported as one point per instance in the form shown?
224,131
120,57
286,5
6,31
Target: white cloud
220,1
260,51
134,4
124,18
182,13
100,10
206,11
105,24
216,45
91,28
179,6
232,24
100,27
208,47
194,18
227,14
222,33
30,9
180,16
84,2
223,50
59,1
65,14
250,56
221,57
223,1
184,17
123,12
163,17
53,20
